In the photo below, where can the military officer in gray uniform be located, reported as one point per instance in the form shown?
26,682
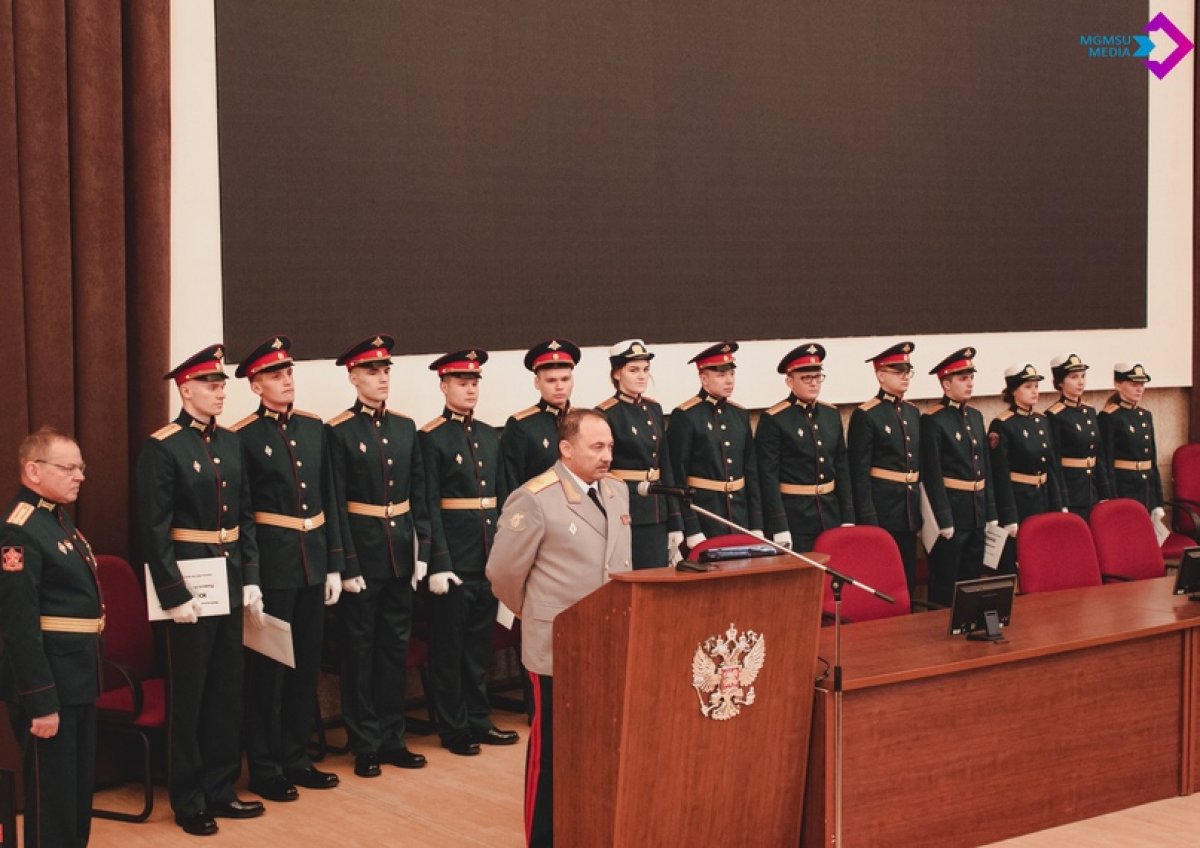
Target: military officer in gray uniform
194,499
884,446
464,485
641,454
802,461
529,444
1075,430
561,535
300,564
379,477
51,618
712,449
1127,429
956,473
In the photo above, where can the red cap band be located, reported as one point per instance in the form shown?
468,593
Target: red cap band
952,367
272,358
722,358
200,369
802,361
892,360
369,355
553,357
461,366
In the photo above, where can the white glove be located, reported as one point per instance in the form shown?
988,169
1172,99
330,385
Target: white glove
695,539
420,569
783,538
186,613
253,602
439,583
1158,512
1064,509
674,541
1011,530
353,585
847,524
946,533
754,532
333,588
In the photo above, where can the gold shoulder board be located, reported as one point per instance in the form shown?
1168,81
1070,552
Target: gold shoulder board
305,413
525,413
433,425
239,425
778,408
871,404
20,514
1005,415
690,402
1111,408
542,481
340,417
607,403
1056,408
170,430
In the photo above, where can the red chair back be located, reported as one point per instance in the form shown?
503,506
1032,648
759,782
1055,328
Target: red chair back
1055,551
868,554
128,639
730,540
1125,542
1185,472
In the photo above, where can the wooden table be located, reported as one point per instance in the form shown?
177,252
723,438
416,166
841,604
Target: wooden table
1089,707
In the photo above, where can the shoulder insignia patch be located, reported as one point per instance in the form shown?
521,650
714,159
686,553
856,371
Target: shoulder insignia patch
778,408
871,404
247,420
993,440
170,430
1111,408
542,481
525,413
690,402
12,558
607,403
433,425
305,413
1005,415
1056,408
340,418
20,514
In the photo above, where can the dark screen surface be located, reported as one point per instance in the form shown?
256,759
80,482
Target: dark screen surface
485,173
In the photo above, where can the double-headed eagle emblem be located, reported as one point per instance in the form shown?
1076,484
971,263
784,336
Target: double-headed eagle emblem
724,669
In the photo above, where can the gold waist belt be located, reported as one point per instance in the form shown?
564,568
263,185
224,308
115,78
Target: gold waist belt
895,476
1132,464
1028,479
797,489
717,485
468,503
206,537
290,522
377,511
1082,462
964,485
630,475
62,624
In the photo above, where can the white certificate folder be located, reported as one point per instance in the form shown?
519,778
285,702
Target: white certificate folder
205,578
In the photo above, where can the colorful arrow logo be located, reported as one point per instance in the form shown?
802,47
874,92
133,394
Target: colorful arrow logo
1183,46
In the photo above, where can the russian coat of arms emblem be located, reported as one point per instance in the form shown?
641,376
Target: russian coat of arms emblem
724,669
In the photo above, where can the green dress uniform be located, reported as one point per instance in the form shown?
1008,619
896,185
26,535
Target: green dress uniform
194,498
883,444
1127,432
804,470
641,453
956,474
712,451
1024,471
529,444
294,508
1075,434
464,487
379,477
50,618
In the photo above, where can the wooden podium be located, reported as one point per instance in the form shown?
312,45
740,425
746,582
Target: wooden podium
636,762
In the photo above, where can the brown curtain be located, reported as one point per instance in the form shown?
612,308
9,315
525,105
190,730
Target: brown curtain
84,238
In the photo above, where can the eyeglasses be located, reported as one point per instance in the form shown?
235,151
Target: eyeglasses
66,469
811,379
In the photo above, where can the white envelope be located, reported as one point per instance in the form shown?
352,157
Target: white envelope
206,579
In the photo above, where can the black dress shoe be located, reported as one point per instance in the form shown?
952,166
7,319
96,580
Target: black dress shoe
197,824
237,809
461,745
367,765
275,788
495,736
312,778
403,758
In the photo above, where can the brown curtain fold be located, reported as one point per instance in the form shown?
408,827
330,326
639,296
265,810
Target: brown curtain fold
84,238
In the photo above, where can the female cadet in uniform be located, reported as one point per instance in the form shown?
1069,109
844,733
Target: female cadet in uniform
1128,434
640,454
1075,436
1024,467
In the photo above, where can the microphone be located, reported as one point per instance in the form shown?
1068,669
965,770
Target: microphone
645,489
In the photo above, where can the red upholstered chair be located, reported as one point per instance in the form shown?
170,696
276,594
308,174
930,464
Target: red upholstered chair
1125,542
133,698
1185,506
1055,551
868,554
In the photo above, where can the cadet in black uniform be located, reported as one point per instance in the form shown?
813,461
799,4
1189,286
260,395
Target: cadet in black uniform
1076,434
379,476
641,454
802,461
51,617
1024,465
956,474
712,450
195,503
1127,429
300,564
529,444
463,482
884,445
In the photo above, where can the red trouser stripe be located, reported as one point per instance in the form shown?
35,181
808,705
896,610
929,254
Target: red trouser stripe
533,764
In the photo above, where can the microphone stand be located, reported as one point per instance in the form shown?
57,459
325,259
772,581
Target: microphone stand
837,580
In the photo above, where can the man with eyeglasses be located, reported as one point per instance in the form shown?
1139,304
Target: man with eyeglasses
51,618
884,445
194,499
803,466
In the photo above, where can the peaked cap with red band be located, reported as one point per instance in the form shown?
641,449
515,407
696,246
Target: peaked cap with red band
959,362
719,355
271,355
202,365
462,362
807,357
375,350
897,354
553,353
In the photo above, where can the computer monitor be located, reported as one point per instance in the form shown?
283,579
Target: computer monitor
981,607
1187,578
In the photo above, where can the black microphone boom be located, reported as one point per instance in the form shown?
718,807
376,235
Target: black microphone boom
646,489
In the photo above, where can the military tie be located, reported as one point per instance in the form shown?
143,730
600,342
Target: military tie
595,496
